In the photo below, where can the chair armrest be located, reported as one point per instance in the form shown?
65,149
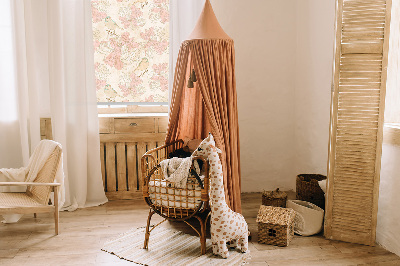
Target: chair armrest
29,184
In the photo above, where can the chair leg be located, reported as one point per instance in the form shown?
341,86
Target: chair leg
203,232
203,236
34,215
56,211
147,235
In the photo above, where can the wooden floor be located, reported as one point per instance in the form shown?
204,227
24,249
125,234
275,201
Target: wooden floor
83,232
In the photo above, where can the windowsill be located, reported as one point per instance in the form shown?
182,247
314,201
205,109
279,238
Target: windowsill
391,133
134,115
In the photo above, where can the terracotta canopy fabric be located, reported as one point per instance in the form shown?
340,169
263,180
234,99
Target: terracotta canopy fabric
211,106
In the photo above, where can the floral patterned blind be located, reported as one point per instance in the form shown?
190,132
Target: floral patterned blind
131,44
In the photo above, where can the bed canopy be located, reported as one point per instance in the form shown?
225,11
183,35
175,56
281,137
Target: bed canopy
204,97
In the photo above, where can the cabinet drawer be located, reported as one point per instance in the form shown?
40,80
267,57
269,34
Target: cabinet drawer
134,125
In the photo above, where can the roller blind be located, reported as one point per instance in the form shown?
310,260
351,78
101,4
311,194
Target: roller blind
358,97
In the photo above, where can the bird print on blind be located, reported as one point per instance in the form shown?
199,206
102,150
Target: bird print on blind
110,93
111,25
142,67
142,2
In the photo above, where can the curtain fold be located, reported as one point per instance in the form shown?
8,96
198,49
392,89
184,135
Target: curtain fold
211,106
55,78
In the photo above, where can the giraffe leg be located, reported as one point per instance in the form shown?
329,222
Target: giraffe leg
215,248
243,243
222,249
232,244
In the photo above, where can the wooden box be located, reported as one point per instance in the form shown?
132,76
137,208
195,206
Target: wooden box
275,225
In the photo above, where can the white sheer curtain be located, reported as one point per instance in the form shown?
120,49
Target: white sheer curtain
55,78
183,18
10,148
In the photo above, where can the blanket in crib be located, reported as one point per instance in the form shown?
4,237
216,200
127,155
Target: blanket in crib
176,170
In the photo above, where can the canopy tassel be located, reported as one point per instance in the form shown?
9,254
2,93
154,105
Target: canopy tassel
190,83
193,76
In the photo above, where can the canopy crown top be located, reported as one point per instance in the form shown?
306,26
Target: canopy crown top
207,26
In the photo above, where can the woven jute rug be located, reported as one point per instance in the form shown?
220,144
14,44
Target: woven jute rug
168,247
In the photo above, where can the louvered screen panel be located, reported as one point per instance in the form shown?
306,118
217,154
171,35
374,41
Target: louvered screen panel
356,119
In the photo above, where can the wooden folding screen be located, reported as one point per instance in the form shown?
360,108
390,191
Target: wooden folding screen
358,97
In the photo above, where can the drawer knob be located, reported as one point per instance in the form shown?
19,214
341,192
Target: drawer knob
133,124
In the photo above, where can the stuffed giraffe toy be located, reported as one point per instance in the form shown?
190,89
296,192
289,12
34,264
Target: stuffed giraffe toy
226,225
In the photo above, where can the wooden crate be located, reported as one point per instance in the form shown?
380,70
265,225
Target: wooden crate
123,141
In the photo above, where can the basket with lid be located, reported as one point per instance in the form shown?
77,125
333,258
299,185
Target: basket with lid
274,198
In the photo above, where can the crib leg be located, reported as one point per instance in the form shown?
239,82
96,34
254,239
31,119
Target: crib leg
147,235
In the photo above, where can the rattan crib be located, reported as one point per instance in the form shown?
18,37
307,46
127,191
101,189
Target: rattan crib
170,202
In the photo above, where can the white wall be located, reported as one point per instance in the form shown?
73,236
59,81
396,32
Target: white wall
284,52
388,227
314,60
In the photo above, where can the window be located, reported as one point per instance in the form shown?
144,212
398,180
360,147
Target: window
131,43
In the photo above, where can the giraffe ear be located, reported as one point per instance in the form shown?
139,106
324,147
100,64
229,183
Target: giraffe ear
216,149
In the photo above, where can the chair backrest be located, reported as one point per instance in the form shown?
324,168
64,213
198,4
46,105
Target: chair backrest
46,175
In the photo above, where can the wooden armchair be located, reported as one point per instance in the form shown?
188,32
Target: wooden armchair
36,197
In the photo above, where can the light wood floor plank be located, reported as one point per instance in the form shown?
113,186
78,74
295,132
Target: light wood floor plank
83,232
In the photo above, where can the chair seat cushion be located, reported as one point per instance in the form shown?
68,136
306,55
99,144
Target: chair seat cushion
17,199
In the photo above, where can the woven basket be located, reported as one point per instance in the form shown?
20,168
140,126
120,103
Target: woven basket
274,198
275,225
308,189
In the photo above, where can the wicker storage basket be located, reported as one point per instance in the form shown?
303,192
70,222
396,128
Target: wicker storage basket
274,198
275,225
308,189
